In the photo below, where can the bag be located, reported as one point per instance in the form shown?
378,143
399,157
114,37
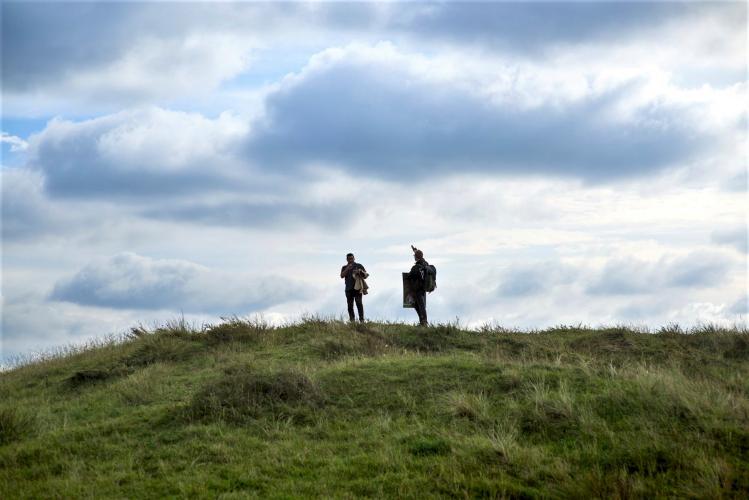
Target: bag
430,278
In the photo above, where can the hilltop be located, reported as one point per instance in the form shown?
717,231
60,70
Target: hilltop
328,409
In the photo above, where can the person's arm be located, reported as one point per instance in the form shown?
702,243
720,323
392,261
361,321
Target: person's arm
344,270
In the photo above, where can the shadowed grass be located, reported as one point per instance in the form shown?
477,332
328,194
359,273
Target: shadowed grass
242,394
15,425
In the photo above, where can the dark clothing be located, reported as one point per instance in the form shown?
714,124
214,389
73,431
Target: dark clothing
351,296
350,281
417,275
421,307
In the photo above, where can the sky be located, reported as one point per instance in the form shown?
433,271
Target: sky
559,163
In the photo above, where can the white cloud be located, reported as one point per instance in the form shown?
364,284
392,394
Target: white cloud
130,281
67,58
16,143
82,59
141,152
634,276
154,69
732,236
25,211
391,114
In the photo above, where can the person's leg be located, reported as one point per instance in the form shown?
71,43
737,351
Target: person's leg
421,299
350,303
421,307
359,305
417,306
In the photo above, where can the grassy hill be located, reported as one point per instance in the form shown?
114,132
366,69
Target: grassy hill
328,409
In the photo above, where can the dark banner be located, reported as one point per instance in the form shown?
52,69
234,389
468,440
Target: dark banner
408,297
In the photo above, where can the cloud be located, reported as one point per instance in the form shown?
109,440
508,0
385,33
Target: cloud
52,41
16,143
143,157
699,269
40,46
532,27
653,30
69,57
35,325
268,215
104,56
630,276
741,306
144,152
131,281
735,237
534,278
25,211
155,69
388,114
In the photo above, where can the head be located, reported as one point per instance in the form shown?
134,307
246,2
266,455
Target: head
349,258
418,255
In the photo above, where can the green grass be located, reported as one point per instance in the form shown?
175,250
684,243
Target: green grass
328,409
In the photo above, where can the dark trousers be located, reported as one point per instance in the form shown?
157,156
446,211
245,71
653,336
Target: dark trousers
421,307
351,296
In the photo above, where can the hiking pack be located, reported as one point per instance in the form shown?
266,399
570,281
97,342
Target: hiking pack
430,278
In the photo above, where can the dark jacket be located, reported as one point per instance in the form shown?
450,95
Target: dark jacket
417,275
349,278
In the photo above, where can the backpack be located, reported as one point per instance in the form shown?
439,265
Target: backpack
430,278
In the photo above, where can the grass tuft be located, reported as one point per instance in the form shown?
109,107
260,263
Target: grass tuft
243,394
504,441
437,338
164,345
359,344
81,378
473,407
15,425
235,329
144,386
422,446
739,350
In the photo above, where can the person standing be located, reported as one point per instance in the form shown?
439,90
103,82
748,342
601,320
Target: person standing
350,272
418,279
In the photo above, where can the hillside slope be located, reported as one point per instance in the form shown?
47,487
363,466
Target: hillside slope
328,409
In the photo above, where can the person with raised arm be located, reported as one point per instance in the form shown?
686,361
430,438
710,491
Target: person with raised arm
419,284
